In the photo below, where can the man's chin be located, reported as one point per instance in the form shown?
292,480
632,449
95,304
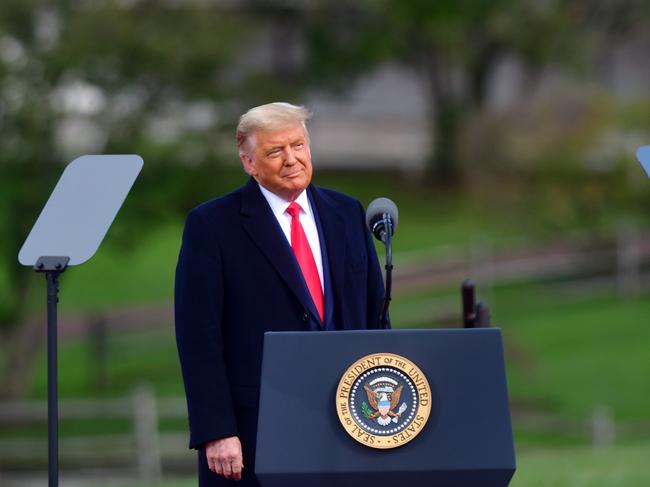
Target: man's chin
292,191
297,182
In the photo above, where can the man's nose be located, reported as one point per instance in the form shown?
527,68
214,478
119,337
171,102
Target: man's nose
289,156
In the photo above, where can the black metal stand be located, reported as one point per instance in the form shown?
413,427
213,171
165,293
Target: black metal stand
474,315
387,239
52,267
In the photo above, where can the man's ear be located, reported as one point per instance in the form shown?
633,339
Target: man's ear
248,164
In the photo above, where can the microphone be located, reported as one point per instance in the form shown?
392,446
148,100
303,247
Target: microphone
381,218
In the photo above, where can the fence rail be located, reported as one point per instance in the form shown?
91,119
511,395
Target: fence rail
143,449
622,257
600,429
146,451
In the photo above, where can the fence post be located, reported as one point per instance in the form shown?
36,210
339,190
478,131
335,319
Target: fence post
147,437
97,329
628,260
603,429
482,267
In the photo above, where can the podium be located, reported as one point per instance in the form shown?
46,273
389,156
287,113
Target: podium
308,378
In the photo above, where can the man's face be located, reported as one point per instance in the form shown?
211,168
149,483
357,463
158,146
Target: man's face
280,161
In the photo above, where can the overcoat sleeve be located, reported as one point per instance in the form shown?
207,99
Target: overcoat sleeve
199,299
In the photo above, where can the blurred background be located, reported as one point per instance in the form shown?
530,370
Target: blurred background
505,130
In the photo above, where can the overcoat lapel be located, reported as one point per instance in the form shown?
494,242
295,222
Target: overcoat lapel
263,228
334,235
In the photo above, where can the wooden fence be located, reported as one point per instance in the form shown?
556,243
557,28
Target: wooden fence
153,438
601,429
620,263
140,447
145,450
582,265
621,257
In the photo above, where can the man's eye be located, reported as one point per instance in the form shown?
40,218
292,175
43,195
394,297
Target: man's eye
299,145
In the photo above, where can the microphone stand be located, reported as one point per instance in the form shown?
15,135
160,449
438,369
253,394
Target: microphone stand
387,238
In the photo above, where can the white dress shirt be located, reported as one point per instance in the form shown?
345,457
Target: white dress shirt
279,207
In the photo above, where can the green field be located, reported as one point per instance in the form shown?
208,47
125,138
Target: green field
567,352
564,355
562,358
144,273
623,466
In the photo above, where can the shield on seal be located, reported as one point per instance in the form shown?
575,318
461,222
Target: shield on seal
384,407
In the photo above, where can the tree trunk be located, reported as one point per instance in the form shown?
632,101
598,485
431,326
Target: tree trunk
21,345
447,114
451,102
445,167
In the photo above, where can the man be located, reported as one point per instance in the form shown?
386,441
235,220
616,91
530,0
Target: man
276,254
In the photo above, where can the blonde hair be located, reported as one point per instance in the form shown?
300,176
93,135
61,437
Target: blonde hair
272,116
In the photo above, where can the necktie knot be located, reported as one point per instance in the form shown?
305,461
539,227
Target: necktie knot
294,209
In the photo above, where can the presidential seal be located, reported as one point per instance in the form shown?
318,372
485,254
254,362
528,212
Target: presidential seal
383,400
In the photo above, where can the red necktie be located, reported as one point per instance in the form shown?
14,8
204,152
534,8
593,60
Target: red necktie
305,257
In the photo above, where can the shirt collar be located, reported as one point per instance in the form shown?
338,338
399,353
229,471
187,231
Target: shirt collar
279,205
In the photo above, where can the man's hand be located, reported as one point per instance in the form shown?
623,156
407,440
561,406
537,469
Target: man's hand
225,457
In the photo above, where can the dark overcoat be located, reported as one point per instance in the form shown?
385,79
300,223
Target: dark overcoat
237,278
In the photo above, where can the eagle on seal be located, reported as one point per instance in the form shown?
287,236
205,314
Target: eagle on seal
383,400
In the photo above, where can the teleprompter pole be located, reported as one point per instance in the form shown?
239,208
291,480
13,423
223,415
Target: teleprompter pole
52,267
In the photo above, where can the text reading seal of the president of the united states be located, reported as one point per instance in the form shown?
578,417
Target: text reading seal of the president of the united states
383,400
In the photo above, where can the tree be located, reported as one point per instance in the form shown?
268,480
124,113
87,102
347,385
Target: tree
103,75
454,45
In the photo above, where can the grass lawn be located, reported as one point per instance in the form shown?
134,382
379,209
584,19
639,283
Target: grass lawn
117,277
623,466
565,353
569,356
563,356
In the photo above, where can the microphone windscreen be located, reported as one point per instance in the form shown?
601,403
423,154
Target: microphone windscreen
377,208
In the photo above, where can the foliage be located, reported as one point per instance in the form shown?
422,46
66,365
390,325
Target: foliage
113,78
565,155
164,79
453,45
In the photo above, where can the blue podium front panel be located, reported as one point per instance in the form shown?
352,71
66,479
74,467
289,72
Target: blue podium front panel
466,441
